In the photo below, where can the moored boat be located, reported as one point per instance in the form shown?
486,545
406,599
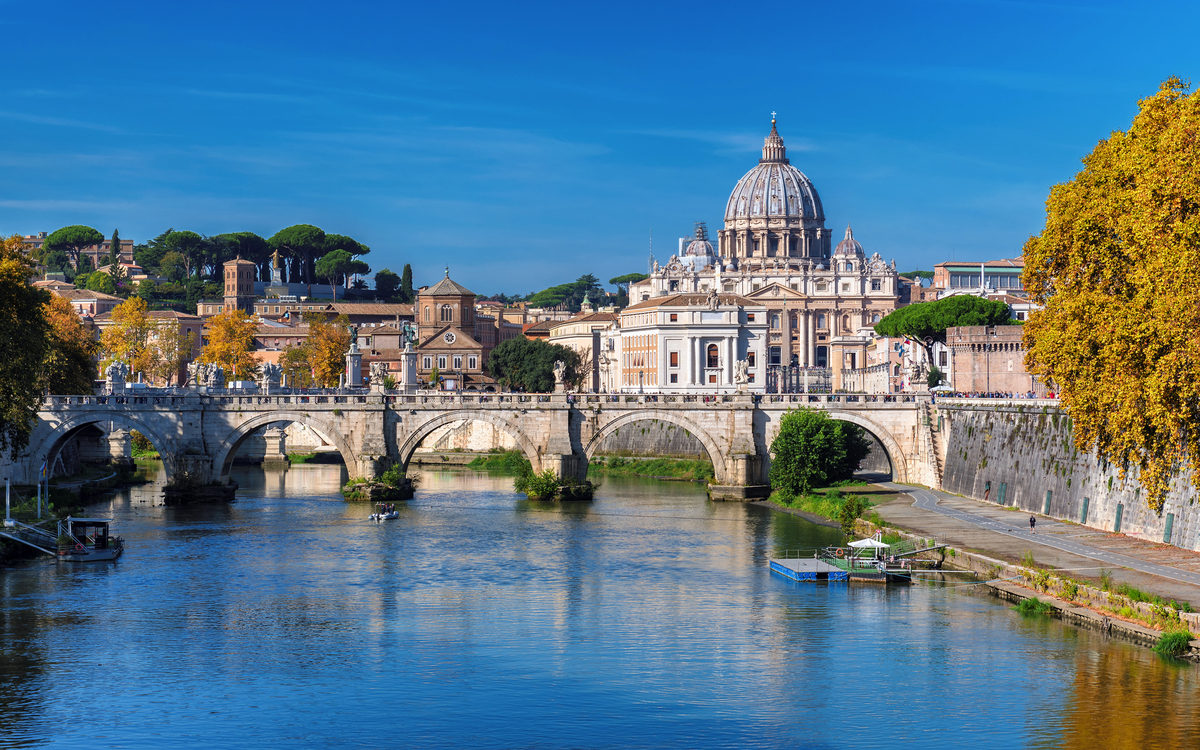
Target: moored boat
88,540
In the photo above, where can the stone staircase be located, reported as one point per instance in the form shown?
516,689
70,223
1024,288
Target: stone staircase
930,438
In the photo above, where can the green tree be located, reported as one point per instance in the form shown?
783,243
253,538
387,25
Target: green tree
1114,271
813,450
173,265
926,322
622,282
150,254
190,246
300,243
250,246
522,364
24,341
934,378
101,282
332,266
72,240
146,290
407,293
387,283
114,249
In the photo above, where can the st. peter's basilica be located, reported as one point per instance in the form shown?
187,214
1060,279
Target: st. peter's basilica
775,250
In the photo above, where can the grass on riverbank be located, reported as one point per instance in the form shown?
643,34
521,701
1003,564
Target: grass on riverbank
320,457
509,462
832,503
686,469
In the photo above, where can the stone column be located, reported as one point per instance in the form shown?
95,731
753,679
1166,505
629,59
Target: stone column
730,348
812,338
802,322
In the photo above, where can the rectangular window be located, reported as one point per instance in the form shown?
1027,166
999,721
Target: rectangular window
773,355
749,317
441,362
845,287
795,287
1020,316
458,363
428,362
875,285
750,377
674,318
750,359
674,378
473,362
941,359
712,378
674,359
754,287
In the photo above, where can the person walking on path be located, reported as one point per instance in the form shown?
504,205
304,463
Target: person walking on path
1032,523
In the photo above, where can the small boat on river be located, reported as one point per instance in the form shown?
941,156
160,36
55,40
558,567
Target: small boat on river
385,512
88,540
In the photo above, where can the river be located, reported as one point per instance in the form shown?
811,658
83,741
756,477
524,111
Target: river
646,619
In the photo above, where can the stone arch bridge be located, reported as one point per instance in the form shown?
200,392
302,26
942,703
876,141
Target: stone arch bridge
203,432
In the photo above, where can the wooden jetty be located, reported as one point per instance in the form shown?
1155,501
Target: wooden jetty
860,561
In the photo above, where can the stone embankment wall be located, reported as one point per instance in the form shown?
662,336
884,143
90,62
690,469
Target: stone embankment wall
876,461
648,437
652,437
1013,454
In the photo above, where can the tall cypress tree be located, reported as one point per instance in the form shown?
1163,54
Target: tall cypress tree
114,249
406,287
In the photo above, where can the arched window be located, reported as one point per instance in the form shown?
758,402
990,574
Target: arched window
849,266
774,321
426,313
875,318
447,313
845,324
820,321
714,359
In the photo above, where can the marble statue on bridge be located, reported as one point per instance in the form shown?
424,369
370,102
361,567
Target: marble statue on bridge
115,376
270,375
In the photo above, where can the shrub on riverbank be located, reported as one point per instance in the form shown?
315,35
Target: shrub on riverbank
546,485
694,470
1034,606
831,503
1173,643
813,450
509,462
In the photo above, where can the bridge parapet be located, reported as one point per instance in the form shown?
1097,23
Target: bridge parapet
555,431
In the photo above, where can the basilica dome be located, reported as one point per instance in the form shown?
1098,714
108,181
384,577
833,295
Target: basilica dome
774,189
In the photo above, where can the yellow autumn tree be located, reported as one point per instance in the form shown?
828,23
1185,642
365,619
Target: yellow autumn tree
328,340
231,344
127,337
69,368
1115,268
171,349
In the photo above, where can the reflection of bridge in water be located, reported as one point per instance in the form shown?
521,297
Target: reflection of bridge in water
202,432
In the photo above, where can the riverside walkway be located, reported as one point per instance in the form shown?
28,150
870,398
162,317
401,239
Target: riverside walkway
1163,569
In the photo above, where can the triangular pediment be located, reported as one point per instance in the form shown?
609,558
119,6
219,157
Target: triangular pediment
438,342
776,291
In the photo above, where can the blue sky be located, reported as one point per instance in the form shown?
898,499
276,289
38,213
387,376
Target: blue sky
524,145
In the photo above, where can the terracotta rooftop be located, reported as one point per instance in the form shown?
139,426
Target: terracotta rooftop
698,299
74,294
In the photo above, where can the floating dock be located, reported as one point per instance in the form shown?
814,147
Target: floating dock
809,569
839,569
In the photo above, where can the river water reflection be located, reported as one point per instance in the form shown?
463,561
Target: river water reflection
645,619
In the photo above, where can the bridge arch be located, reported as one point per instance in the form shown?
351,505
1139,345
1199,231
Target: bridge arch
49,447
671,417
406,447
894,453
227,450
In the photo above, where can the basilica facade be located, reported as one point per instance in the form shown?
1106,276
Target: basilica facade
775,250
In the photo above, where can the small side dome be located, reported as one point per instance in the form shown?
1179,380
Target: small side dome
850,246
